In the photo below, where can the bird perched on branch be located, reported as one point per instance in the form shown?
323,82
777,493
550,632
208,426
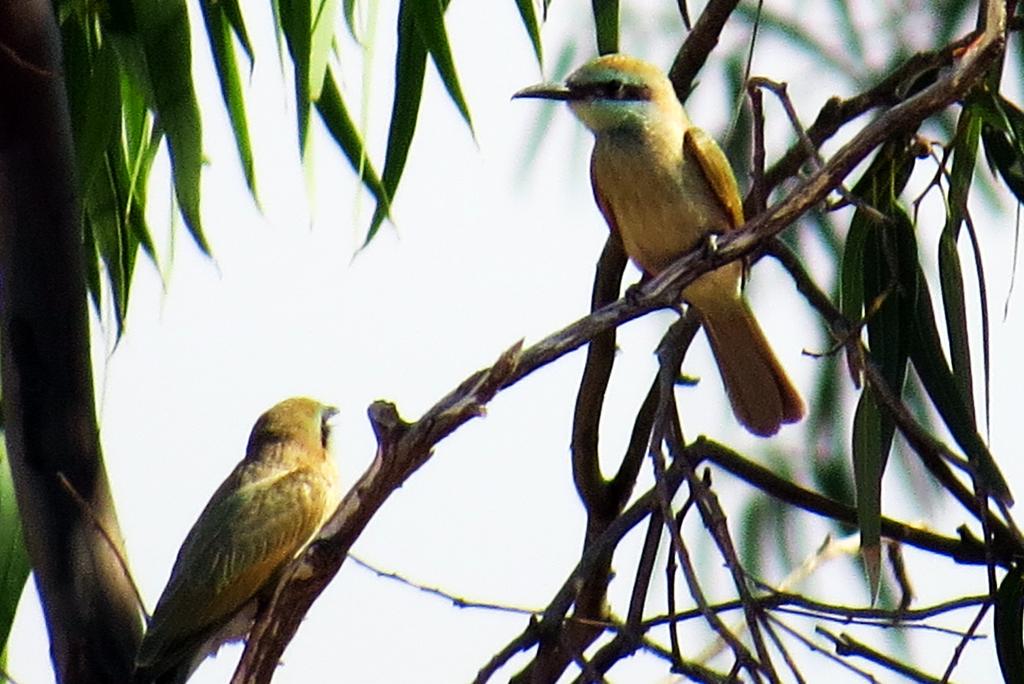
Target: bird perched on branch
665,186
261,517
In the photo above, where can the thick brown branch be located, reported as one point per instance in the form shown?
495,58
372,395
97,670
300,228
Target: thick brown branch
699,44
586,467
49,412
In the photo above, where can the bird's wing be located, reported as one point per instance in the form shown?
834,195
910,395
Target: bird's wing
602,203
263,527
717,171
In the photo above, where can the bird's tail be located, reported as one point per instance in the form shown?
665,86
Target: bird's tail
761,394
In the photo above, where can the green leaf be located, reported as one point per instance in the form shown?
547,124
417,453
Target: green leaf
870,453
952,286
851,270
321,41
1003,134
965,154
164,29
233,13
92,267
142,143
349,11
219,31
113,212
1004,159
93,98
606,24
890,288
879,187
335,116
14,565
296,25
528,14
428,16
1007,623
410,65
944,391
878,282
108,213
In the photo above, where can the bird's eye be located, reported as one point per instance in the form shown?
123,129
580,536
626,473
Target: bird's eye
325,424
614,90
621,90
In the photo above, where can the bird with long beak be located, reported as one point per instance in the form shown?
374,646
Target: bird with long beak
665,186
261,517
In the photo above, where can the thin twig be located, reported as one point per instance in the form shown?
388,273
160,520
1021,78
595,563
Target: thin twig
457,601
837,112
846,645
810,644
870,617
524,641
667,431
86,509
780,91
962,644
769,628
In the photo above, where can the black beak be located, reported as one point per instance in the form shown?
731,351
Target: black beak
544,91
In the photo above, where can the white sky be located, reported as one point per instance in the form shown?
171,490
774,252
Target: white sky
485,252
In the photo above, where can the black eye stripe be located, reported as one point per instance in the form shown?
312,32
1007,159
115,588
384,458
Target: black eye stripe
611,90
325,431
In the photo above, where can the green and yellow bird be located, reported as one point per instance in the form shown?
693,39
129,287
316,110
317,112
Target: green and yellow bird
664,186
261,517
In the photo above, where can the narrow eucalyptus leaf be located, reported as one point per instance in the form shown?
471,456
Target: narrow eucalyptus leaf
164,29
334,113
410,66
321,41
296,25
944,391
869,456
428,16
606,23
233,13
14,564
528,14
219,32
1007,623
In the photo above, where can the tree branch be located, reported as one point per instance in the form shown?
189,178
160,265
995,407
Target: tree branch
405,447
49,412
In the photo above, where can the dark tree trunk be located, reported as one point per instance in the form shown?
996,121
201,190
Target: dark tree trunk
48,401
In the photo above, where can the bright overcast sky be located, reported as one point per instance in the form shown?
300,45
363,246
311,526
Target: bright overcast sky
485,252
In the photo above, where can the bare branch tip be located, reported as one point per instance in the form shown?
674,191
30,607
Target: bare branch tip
507,363
386,423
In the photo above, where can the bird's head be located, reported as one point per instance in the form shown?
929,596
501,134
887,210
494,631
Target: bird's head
615,92
299,419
